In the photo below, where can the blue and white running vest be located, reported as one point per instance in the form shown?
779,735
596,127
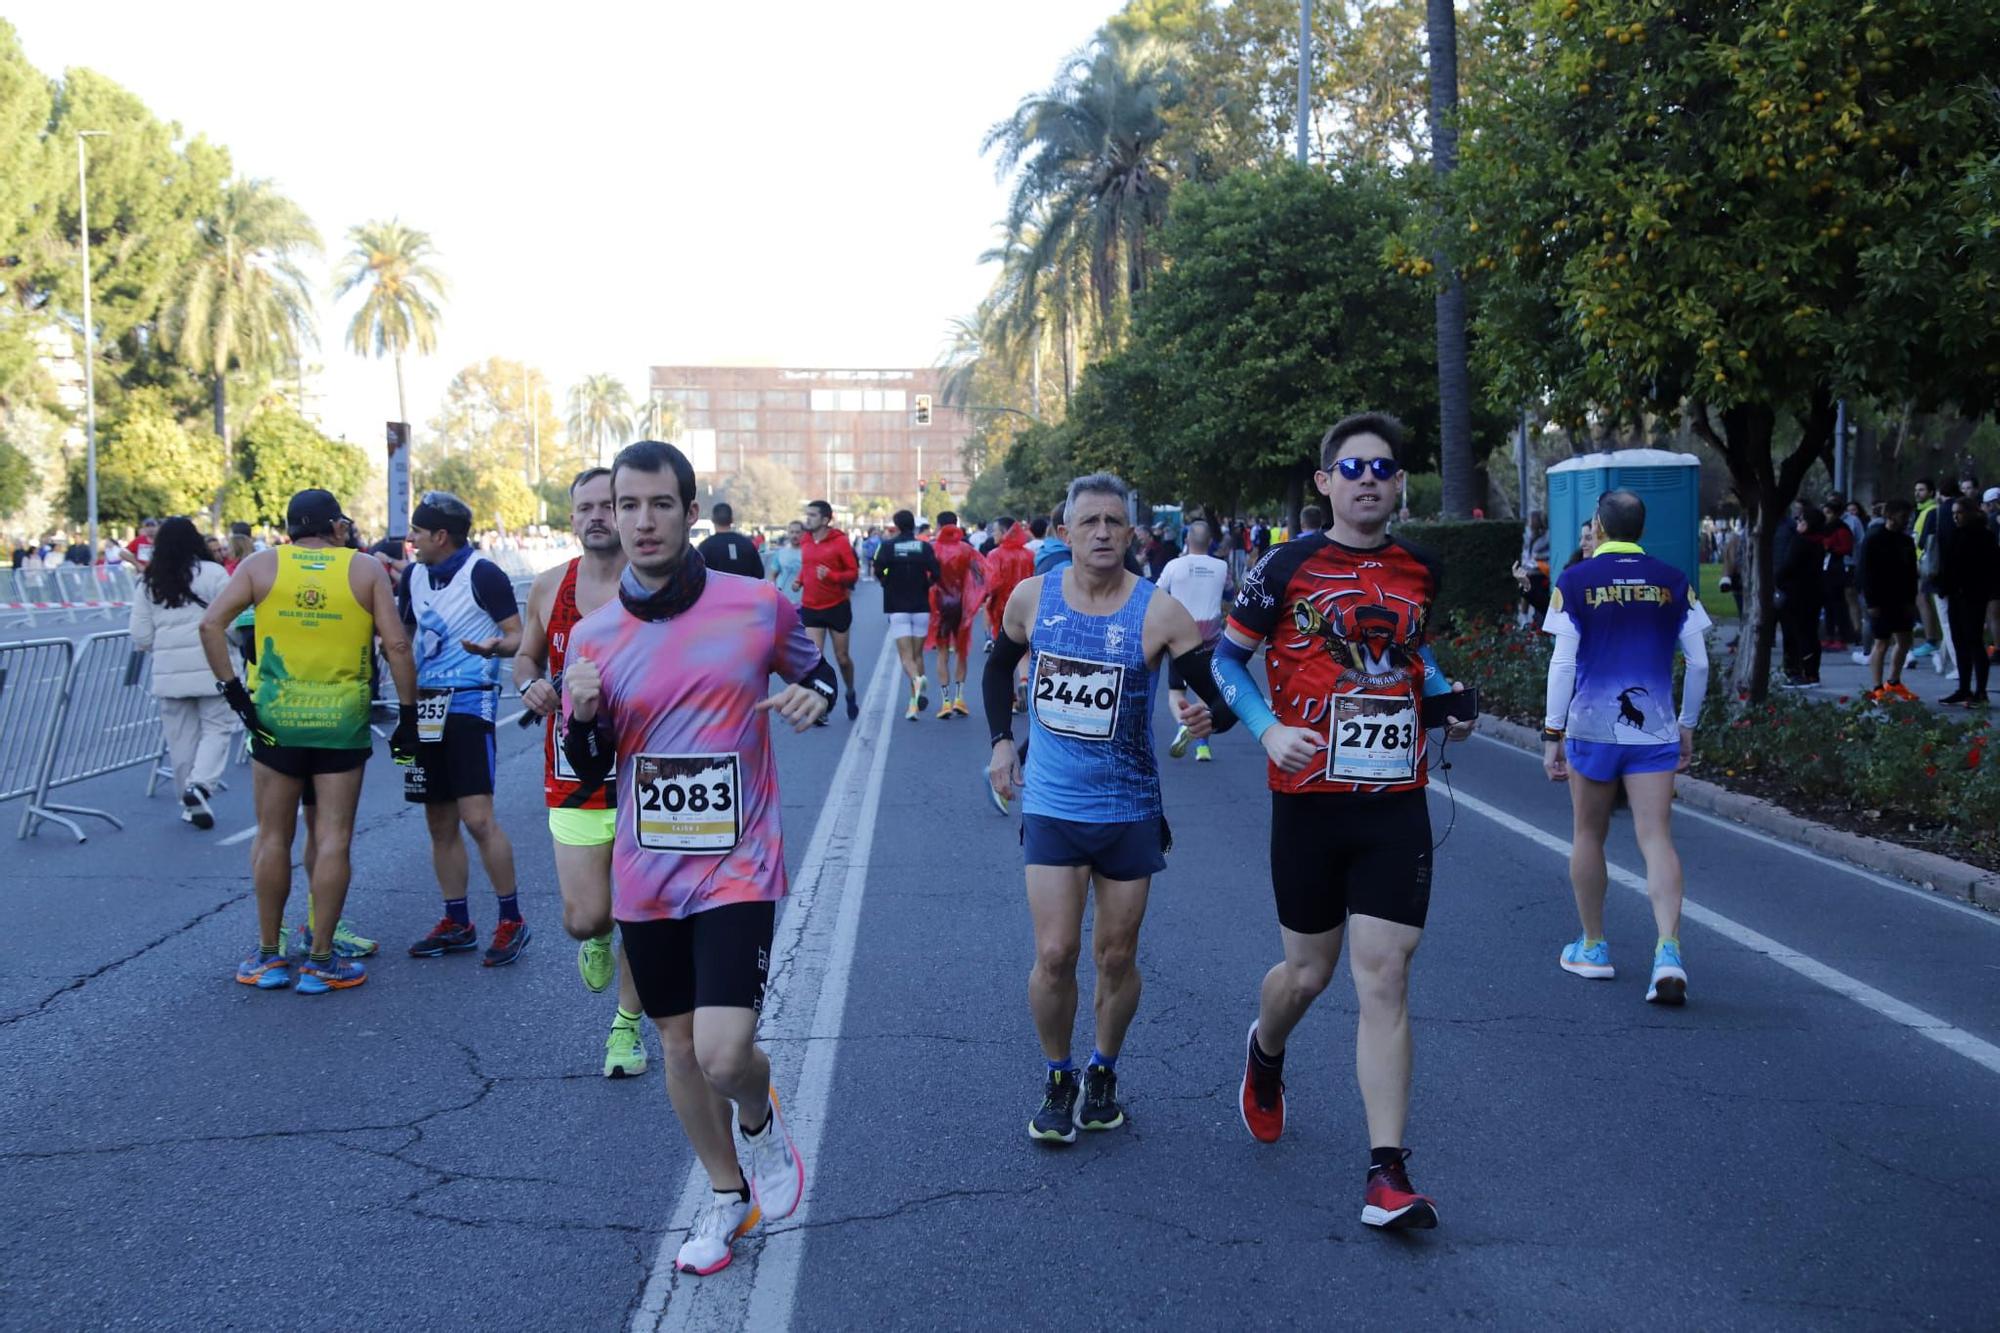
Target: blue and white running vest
1090,759
444,616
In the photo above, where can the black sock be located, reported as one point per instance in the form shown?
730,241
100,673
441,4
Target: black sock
749,1133
510,906
740,1195
1264,1059
1382,1158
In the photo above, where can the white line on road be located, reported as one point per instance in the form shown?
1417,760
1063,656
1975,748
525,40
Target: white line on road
726,1300
512,717
1833,863
1982,1053
241,835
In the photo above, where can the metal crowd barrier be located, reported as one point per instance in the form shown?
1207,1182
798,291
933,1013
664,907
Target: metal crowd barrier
105,719
67,593
32,677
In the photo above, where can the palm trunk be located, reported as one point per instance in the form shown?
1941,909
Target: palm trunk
1035,377
221,402
1454,380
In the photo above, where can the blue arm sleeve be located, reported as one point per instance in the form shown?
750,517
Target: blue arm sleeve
1435,681
1231,669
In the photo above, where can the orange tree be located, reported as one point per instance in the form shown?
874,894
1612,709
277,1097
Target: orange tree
1744,212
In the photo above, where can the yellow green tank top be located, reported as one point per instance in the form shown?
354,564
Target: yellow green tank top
315,645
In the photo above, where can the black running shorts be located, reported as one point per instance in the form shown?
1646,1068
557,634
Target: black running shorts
838,618
1886,625
717,959
462,764
1341,854
302,761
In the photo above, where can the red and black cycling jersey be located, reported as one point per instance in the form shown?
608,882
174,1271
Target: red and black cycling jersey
1340,620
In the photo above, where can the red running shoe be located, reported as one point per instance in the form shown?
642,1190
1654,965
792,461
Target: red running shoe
1390,1203
509,938
1262,1100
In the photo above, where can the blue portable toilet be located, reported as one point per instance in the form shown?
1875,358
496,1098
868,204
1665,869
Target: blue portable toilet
1669,483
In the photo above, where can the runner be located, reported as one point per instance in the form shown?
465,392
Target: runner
961,586
825,609
726,549
1345,615
671,680
907,568
581,820
1200,582
1616,619
317,612
462,609
1006,566
1091,801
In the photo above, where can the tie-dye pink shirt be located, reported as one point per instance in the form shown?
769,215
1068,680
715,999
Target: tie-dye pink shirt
698,819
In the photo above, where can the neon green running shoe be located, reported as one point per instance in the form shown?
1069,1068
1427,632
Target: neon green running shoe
346,943
597,962
624,1051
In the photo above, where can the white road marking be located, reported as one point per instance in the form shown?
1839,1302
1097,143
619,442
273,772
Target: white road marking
512,717
764,1274
1927,1025
241,835
1681,811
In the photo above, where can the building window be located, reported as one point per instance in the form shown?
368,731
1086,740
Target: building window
824,400
895,400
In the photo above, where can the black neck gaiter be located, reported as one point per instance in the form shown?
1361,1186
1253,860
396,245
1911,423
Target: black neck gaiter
681,589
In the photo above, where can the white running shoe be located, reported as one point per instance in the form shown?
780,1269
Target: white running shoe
707,1248
776,1173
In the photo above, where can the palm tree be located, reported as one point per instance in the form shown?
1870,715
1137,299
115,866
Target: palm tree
1454,380
242,300
599,413
1088,175
658,418
400,309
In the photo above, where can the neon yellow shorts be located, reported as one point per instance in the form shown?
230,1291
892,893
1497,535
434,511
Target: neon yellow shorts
583,828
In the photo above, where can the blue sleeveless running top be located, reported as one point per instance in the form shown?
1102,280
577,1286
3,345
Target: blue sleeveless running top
1090,759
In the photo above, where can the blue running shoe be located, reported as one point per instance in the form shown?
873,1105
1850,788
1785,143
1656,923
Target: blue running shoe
1670,980
265,971
336,973
1587,958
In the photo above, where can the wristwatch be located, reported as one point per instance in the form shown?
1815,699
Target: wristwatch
1552,734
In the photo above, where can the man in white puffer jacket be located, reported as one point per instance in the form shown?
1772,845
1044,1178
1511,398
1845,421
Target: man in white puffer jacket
179,583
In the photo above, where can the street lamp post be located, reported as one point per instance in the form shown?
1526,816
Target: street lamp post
1305,73
89,333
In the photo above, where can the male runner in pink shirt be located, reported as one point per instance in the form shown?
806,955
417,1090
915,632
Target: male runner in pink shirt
667,685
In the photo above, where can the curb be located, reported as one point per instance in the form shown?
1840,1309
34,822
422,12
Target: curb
1939,874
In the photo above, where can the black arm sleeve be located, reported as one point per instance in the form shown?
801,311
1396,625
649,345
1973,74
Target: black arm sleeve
996,687
1194,666
822,681
589,752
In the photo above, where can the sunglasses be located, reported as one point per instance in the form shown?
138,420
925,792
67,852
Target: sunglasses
1352,468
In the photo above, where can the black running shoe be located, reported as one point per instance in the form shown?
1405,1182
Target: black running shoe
1056,1121
853,706
447,936
1100,1099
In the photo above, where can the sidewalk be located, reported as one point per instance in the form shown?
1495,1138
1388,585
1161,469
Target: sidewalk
1840,675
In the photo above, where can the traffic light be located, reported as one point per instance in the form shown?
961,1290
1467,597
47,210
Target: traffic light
923,409
923,487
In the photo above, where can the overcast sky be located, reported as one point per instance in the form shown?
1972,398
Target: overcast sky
612,186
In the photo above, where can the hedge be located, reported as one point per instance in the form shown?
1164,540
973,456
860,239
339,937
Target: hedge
1477,559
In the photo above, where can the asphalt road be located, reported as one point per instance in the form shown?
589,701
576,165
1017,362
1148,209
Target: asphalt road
1811,1143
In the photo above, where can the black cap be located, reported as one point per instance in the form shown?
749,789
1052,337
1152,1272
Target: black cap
312,513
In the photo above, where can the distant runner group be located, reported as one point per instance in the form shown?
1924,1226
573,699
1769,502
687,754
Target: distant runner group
648,660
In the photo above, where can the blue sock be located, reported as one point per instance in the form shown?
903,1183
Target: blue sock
459,913
510,907
1098,1057
1062,1066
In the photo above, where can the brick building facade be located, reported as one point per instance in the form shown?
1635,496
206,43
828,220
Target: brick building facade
847,436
